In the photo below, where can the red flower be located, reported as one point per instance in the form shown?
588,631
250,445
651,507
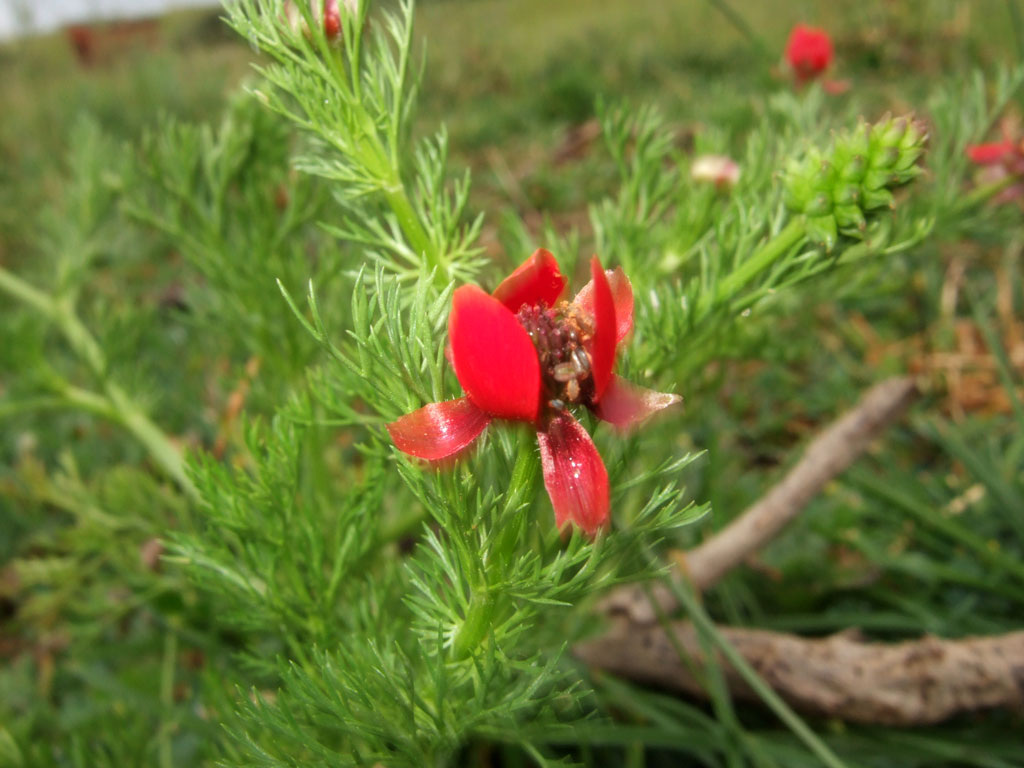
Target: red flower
999,160
522,354
991,153
325,12
332,19
809,52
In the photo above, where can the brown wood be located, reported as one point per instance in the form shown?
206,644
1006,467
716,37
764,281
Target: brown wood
910,683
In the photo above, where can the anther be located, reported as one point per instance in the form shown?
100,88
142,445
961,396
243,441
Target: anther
581,361
564,372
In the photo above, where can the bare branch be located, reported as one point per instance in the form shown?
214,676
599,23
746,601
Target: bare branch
909,683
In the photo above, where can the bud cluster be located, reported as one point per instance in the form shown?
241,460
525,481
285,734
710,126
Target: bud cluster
838,188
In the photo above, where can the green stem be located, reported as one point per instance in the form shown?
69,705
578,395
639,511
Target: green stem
164,453
524,473
409,221
85,400
980,195
383,164
25,293
793,721
477,624
729,286
82,342
114,404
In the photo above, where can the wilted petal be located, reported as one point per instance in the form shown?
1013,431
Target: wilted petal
494,359
536,280
439,430
624,404
603,343
574,475
622,297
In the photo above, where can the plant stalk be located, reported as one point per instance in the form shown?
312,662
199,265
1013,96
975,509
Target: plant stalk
114,403
727,289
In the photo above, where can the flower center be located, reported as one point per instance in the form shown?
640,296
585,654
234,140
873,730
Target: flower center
559,334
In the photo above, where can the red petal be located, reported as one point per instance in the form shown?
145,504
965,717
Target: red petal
986,154
535,280
625,404
493,357
622,295
603,342
439,430
574,475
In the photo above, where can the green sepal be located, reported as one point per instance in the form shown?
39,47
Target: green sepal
850,217
877,198
847,194
823,231
820,205
877,179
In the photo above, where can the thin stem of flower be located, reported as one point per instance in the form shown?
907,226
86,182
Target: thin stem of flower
981,195
477,624
524,473
727,289
412,227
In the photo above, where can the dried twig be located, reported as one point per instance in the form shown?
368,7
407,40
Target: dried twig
910,683
828,455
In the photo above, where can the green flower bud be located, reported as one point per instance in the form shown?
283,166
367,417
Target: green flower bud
836,190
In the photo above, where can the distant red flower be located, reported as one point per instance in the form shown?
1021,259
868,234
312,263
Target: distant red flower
83,41
809,52
332,19
993,152
1000,159
522,354
325,12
